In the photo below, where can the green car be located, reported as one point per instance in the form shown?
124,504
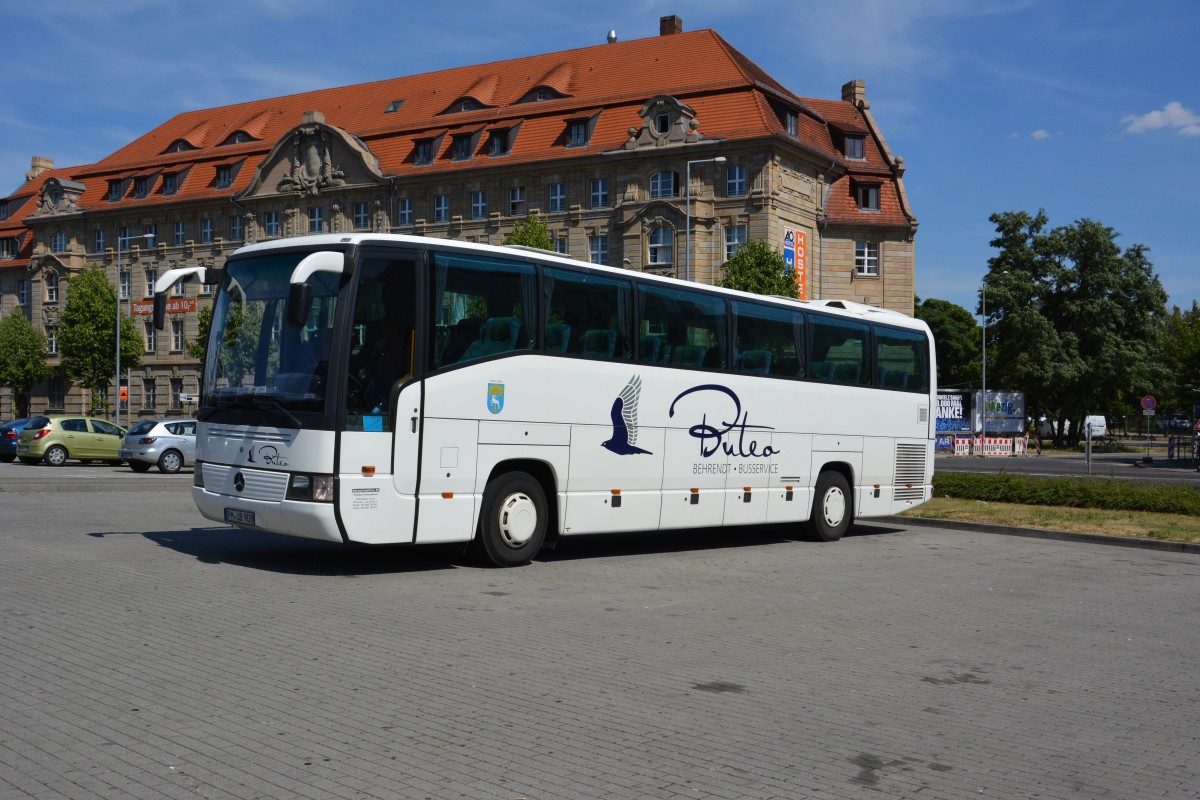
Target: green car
58,437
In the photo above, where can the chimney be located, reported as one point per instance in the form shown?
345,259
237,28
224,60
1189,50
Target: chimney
670,25
855,92
39,165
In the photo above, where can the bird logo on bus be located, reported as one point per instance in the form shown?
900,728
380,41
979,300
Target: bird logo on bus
624,416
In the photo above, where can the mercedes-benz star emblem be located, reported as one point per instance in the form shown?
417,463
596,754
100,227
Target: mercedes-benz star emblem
239,482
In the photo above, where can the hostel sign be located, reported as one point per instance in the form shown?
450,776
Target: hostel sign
795,256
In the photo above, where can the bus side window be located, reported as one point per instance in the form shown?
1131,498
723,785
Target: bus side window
901,358
839,351
588,315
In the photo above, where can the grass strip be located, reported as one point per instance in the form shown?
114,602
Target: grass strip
1082,493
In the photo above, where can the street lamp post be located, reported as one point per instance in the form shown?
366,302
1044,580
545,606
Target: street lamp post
687,236
117,383
983,378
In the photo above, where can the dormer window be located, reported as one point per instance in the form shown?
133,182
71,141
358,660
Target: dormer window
170,183
867,195
855,147
393,107
238,137
224,176
423,151
541,94
3,211
577,133
141,187
115,191
500,142
8,249
662,123
791,122
460,146
180,146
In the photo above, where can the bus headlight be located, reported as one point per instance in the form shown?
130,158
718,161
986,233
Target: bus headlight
311,488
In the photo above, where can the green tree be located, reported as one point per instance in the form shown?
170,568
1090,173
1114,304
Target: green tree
195,347
87,333
1071,317
530,232
23,351
759,268
1179,344
958,340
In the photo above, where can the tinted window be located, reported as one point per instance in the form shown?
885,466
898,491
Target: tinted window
37,423
767,340
682,328
902,359
590,315
482,306
107,428
74,425
143,426
839,351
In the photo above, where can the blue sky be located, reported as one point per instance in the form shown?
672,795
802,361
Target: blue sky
1087,108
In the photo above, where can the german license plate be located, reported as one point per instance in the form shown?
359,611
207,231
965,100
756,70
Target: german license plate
239,517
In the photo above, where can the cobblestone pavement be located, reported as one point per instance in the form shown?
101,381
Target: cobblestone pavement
145,654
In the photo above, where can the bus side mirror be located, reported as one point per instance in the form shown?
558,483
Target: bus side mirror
299,304
160,310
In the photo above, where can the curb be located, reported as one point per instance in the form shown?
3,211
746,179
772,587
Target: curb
1042,533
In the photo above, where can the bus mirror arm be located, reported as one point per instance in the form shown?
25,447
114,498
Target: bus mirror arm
160,310
300,293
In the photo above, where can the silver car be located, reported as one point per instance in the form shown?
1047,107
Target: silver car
168,443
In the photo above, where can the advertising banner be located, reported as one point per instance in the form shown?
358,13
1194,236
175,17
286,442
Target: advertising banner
174,305
1005,412
954,412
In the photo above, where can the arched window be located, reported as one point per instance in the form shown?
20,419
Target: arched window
662,248
664,184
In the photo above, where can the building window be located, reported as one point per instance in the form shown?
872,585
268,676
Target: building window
735,237
405,211
235,228
791,122
479,204
224,176
8,248
51,288
664,184
866,258
52,339
662,123
206,231
149,390
393,107
114,191
577,133
99,241
362,216
177,289
441,208
141,187
856,147
151,341
516,201
558,197
151,279
180,233
598,249
58,242
151,239
460,147
662,246
735,181
123,239
599,193
316,219
423,153
176,390
170,183
176,336
868,196
500,142
57,393
560,245
3,211
23,291
123,283
271,223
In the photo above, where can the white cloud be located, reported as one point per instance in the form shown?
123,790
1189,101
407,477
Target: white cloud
1173,115
1040,133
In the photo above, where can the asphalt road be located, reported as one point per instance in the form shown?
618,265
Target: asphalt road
146,654
1104,465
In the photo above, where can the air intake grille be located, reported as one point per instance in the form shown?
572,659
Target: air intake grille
910,469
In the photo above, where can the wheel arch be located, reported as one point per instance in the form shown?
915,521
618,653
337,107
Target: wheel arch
543,472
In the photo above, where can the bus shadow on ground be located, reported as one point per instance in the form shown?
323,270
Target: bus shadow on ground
291,555
294,556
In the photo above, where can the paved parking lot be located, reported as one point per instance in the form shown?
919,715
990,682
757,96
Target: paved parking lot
145,654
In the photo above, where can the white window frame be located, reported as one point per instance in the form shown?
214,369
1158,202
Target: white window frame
51,287
660,242
180,233
151,341
124,282
735,180
664,184
557,200
176,336
735,237
271,223
598,249
206,231
362,216
516,201
479,209
404,209
441,208
599,192
316,219
866,259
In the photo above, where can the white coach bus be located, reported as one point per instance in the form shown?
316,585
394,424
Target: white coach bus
375,388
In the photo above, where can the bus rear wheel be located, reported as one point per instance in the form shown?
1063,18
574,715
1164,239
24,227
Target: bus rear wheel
833,507
512,525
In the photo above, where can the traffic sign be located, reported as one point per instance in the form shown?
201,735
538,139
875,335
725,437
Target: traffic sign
1148,403
124,393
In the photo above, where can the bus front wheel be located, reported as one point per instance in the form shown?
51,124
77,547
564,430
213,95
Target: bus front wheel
833,507
512,525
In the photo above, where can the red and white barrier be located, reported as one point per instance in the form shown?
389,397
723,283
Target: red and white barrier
991,446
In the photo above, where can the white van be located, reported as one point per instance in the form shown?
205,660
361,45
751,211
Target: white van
1097,424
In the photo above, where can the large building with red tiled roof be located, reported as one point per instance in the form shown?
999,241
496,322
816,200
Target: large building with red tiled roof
602,142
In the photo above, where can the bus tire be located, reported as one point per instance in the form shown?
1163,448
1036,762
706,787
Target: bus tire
833,507
512,524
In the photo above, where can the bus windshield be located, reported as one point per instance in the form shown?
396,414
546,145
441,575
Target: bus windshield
254,359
